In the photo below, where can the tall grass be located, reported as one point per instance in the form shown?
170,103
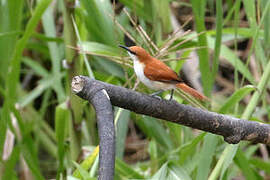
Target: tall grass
53,134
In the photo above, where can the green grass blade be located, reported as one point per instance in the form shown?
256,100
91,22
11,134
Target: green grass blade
100,49
13,75
242,163
126,171
83,173
219,19
87,64
14,69
257,95
50,31
230,56
30,155
224,161
199,12
154,129
140,8
121,123
87,163
98,21
62,117
266,25
43,85
260,164
236,97
161,173
176,172
206,156
9,29
36,67
11,163
187,149
230,150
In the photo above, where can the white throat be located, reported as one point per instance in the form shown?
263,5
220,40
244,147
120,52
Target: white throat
133,57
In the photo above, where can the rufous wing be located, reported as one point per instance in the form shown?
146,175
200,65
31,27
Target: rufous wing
156,70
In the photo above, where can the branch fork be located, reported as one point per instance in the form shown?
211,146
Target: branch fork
103,96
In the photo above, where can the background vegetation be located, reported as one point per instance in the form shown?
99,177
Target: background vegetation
46,132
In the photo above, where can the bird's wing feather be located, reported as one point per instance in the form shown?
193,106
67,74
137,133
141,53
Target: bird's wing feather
158,71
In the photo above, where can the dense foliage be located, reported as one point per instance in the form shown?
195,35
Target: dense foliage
220,47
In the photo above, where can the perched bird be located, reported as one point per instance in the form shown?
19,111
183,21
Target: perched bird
157,75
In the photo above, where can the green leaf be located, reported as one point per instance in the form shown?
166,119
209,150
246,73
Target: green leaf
121,119
224,161
87,163
44,84
175,133
154,129
176,172
206,156
10,28
13,75
125,171
260,164
235,98
199,12
187,149
50,30
62,118
99,48
243,164
162,172
161,12
219,20
31,156
98,22
11,163
230,56
15,66
140,7
84,174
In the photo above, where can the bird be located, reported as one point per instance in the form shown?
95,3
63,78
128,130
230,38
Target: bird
156,75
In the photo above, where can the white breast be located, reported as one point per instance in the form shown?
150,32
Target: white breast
139,70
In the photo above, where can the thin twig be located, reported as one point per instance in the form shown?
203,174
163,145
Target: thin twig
169,43
184,41
120,60
123,29
139,31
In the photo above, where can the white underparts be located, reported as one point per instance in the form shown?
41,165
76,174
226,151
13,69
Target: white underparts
139,70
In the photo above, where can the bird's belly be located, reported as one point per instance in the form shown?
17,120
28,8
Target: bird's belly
156,85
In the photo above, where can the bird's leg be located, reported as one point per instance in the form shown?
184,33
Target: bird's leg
136,84
156,93
172,91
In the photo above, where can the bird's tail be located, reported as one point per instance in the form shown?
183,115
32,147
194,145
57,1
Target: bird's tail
192,92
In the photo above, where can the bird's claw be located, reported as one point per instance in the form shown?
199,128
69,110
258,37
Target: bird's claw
155,96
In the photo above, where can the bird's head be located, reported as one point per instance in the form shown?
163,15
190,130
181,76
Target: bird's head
137,53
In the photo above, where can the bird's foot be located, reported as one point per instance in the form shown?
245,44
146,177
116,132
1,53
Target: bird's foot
155,94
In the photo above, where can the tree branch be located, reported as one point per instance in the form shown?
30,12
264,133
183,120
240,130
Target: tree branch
99,98
232,129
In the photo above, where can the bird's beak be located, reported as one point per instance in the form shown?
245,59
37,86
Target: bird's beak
126,48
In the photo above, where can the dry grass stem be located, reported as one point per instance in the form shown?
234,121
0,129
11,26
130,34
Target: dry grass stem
123,29
186,40
139,31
